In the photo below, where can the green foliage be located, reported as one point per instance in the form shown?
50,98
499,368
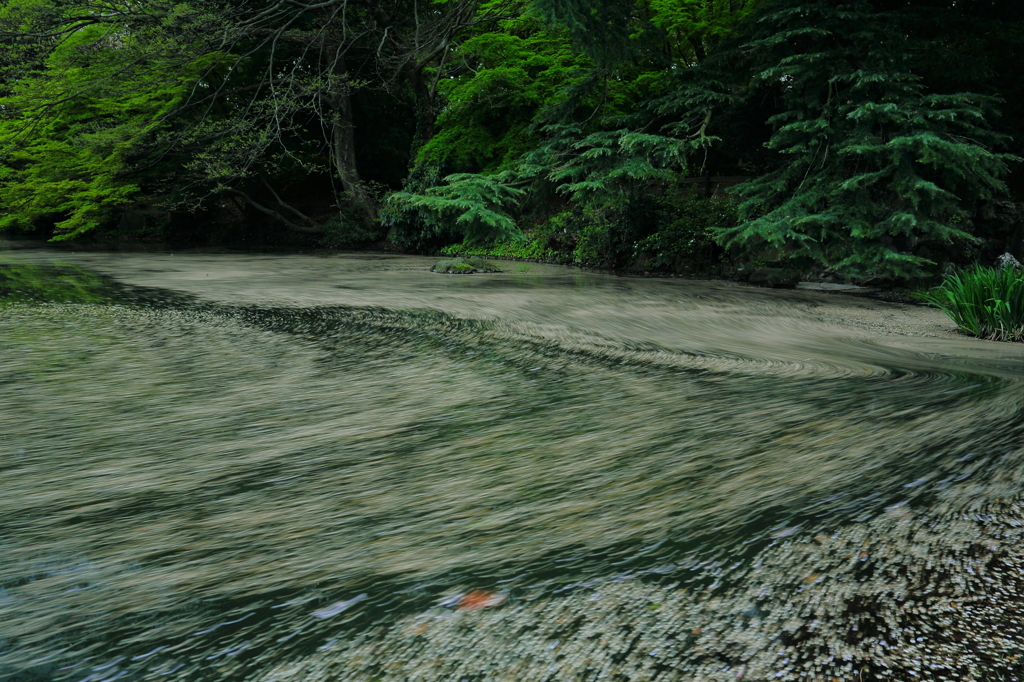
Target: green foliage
983,302
606,238
346,232
476,205
608,177
604,166
604,173
858,118
599,27
511,73
658,233
874,169
69,130
686,231
665,233
533,247
527,75
692,27
605,170
410,228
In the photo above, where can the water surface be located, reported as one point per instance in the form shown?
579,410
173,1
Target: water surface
220,464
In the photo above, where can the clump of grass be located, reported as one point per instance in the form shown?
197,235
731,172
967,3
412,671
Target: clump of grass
983,302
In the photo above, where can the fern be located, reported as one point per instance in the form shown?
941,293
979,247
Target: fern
867,171
599,171
876,166
479,206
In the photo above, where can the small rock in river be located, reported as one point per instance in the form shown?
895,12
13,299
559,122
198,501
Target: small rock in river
464,266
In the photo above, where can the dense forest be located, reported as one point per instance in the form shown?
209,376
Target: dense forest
871,139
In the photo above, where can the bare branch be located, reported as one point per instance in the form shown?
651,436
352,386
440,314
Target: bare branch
274,214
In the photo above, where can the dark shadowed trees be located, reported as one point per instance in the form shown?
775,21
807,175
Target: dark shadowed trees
880,135
268,91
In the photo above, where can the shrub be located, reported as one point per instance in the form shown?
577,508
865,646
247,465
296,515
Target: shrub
346,232
464,266
477,207
666,232
983,302
607,237
411,228
686,231
533,248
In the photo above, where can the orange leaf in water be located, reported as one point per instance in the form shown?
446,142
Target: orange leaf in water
478,599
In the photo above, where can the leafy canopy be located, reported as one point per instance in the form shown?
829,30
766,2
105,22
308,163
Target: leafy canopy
70,129
507,76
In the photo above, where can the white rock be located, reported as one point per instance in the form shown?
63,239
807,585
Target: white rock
1007,261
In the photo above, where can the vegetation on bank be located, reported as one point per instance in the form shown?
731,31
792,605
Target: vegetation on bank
985,302
877,141
669,234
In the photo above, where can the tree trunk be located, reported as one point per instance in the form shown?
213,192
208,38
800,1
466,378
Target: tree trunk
343,150
426,111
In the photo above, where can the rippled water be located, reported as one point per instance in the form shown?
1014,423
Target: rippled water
254,459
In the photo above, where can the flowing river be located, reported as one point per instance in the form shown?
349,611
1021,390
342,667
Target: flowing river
246,467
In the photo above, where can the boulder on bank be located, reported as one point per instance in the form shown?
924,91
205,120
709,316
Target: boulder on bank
464,266
1007,261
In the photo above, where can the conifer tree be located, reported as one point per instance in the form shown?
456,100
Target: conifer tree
876,172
